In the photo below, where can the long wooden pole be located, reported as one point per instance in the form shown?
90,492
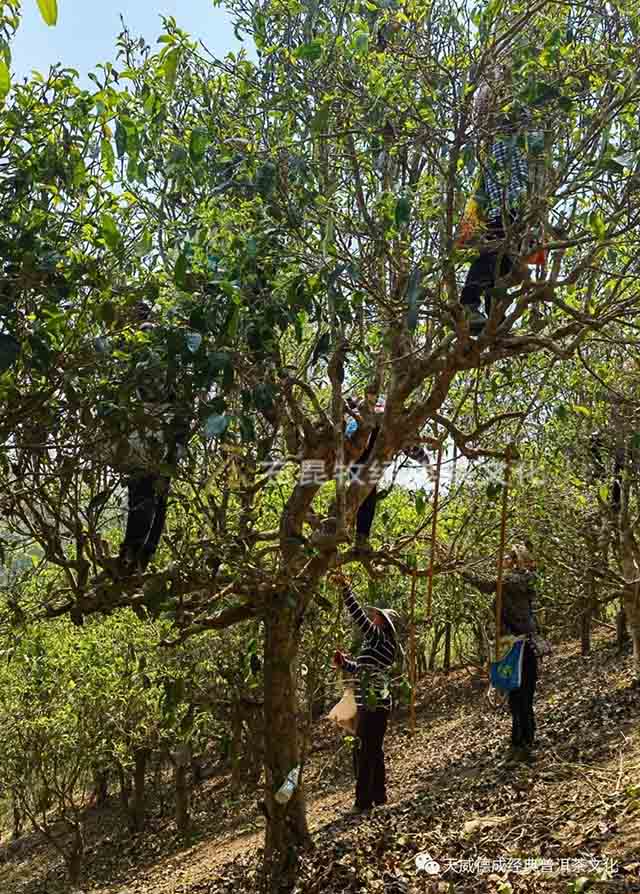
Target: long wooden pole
412,650
503,540
434,528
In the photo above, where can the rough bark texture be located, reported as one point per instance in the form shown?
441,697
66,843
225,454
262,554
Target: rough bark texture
138,812
632,611
287,830
182,760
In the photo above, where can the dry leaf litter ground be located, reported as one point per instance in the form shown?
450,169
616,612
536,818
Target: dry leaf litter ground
451,796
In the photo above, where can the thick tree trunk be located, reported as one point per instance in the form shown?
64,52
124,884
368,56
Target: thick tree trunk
17,819
182,759
74,856
632,611
138,812
125,787
236,748
101,787
622,632
586,626
437,636
287,832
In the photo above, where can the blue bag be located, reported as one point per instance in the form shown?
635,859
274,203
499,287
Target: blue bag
506,674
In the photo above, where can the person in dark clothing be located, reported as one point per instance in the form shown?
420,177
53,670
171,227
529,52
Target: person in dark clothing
502,184
373,698
148,447
518,594
367,510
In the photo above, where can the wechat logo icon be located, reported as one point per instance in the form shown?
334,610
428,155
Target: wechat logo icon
426,863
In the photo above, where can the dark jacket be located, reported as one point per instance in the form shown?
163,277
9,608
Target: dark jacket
518,594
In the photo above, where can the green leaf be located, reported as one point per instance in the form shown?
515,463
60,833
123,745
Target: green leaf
216,425
171,61
110,232
603,493
362,42
9,352
561,412
107,155
403,212
198,144
49,11
583,411
121,139
180,272
5,79
311,51
320,120
597,225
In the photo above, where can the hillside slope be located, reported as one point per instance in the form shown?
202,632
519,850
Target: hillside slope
574,815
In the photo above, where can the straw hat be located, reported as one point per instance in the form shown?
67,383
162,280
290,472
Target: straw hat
389,614
522,556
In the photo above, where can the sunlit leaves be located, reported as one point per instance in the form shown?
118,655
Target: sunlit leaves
110,232
311,51
49,11
5,80
171,61
198,144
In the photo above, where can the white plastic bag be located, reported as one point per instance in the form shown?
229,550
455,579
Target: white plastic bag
345,713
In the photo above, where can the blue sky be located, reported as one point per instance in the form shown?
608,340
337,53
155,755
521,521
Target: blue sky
86,30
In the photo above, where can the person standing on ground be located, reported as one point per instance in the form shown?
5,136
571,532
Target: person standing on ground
518,595
373,697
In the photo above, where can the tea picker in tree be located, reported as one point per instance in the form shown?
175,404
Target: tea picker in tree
495,210
518,595
373,698
367,510
154,446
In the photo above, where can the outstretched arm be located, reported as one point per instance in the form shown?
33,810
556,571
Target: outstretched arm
481,583
358,614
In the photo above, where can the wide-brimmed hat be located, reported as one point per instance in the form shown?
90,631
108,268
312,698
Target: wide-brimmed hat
521,555
389,614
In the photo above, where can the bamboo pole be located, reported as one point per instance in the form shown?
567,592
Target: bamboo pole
434,525
503,540
412,653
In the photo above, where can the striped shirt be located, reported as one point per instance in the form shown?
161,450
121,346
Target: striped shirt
505,176
373,664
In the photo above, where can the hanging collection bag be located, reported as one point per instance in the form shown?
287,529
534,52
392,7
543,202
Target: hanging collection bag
345,713
506,674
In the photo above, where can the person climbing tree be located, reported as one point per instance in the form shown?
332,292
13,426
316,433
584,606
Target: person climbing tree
518,594
148,489
367,510
502,183
158,445
373,698
600,465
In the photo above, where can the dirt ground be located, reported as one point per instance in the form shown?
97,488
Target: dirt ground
574,814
